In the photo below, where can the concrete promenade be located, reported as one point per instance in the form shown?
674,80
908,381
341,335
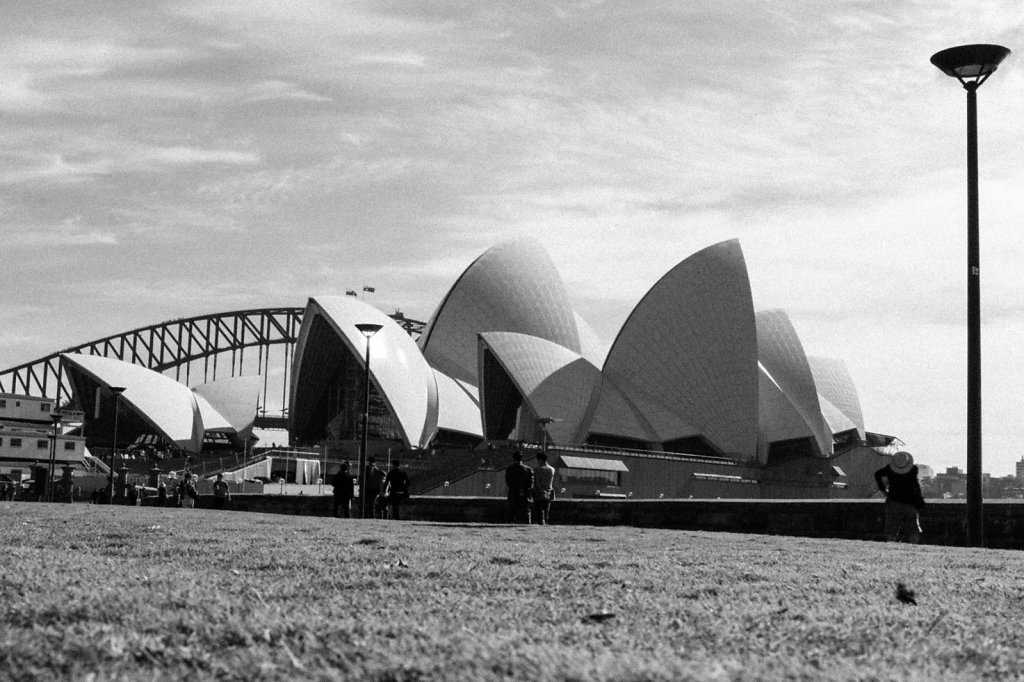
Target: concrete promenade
943,520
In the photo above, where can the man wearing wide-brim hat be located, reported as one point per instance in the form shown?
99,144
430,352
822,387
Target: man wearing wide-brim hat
903,501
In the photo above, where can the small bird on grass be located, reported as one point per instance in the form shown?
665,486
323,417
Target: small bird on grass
599,617
905,594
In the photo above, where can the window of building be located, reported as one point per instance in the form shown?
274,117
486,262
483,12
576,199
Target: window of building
3,404
15,442
593,477
44,407
17,403
592,471
1,441
41,444
69,445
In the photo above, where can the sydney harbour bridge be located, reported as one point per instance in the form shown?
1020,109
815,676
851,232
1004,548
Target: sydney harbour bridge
194,350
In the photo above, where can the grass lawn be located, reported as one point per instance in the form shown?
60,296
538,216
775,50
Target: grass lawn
143,593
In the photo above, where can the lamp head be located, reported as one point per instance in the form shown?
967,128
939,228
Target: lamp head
970,64
368,329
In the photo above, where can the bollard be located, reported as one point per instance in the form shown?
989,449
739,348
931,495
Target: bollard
120,493
154,477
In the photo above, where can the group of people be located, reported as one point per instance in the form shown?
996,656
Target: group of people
530,491
7,489
188,492
185,492
381,490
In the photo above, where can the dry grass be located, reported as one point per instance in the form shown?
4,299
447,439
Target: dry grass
122,593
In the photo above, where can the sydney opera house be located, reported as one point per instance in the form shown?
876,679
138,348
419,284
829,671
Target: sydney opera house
698,394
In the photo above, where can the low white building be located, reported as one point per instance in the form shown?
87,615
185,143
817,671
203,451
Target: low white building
26,434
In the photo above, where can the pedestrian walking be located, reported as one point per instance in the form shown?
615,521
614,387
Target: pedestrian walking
373,479
543,488
344,490
519,482
221,493
396,488
903,500
187,492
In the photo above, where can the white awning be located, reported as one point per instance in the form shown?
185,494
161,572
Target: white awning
593,463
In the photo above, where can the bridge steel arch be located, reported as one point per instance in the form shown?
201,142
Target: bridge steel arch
203,347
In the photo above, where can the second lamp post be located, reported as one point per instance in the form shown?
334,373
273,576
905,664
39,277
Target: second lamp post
367,329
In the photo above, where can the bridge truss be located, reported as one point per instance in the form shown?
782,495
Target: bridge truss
193,350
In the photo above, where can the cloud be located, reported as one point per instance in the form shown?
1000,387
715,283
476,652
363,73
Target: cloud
91,163
53,168
316,148
272,90
392,59
68,234
185,156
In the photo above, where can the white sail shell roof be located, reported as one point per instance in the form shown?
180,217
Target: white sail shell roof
512,287
779,419
782,355
836,388
229,405
398,370
617,416
556,382
167,405
687,354
458,406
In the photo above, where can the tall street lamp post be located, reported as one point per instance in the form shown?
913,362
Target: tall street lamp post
116,391
367,329
543,422
56,417
972,65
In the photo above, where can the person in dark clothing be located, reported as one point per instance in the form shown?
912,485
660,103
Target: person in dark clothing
396,488
374,479
519,482
221,493
161,495
903,500
344,490
543,489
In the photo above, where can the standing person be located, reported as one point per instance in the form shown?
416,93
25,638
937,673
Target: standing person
344,490
221,493
374,479
161,495
903,501
187,492
519,481
396,488
543,488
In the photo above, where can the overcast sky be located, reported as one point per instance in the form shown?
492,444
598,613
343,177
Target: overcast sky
166,159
